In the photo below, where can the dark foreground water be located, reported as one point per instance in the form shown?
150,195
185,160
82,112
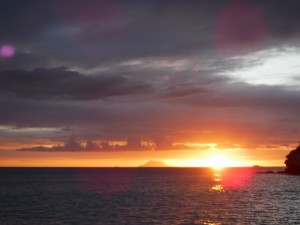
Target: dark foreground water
147,196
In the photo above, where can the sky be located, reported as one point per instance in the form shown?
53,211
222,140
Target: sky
120,82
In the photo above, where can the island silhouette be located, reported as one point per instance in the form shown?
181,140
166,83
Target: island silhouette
153,163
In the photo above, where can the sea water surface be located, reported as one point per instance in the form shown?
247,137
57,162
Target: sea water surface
147,196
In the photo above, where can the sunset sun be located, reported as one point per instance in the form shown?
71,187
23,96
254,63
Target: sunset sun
211,159
219,161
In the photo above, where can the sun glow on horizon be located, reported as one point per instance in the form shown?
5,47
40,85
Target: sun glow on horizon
213,159
219,161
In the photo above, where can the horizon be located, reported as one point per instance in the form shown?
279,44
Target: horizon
177,158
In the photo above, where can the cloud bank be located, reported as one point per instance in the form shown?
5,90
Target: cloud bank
170,72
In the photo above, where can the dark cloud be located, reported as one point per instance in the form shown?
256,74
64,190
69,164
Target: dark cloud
237,94
21,20
134,29
282,18
71,145
180,91
122,70
226,109
47,114
263,96
133,143
59,84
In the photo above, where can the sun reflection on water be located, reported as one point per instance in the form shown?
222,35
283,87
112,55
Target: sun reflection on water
217,178
217,188
207,222
212,223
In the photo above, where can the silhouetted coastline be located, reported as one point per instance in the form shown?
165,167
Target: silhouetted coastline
292,162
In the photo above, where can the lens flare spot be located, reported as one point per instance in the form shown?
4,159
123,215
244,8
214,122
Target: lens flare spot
236,178
240,27
7,51
110,183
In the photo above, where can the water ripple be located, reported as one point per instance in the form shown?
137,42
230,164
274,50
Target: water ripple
153,196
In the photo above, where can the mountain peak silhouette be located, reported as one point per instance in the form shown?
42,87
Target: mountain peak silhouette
154,163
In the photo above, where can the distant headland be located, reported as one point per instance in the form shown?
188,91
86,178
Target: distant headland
292,161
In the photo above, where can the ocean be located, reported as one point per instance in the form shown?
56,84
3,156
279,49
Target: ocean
147,196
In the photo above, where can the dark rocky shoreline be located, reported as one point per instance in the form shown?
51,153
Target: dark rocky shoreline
292,162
